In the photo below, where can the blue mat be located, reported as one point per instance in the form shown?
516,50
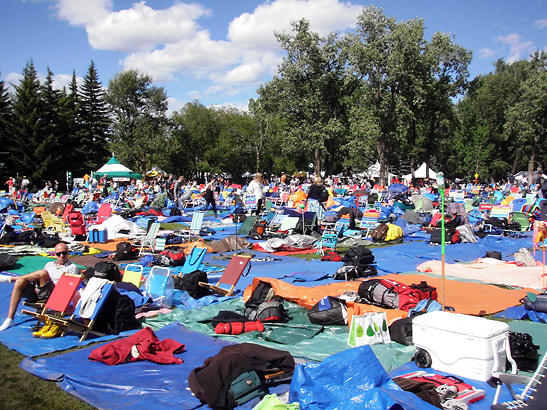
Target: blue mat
407,256
138,385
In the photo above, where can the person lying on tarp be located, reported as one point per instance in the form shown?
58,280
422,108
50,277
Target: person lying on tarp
38,285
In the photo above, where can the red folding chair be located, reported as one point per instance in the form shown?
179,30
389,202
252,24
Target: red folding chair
230,276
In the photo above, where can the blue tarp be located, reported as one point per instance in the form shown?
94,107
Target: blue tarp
139,385
352,379
518,312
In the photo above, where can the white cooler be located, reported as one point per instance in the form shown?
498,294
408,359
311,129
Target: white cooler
461,345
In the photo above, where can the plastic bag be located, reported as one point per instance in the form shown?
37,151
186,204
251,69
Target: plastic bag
368,329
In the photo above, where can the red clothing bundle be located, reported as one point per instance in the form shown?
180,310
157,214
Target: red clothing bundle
143,345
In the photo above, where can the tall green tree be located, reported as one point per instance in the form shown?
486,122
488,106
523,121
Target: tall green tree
140,132
93,121
6,122
27,127
403,79
309,90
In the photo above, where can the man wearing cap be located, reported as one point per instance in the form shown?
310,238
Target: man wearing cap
38,285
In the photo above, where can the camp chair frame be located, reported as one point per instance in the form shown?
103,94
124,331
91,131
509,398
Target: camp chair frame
104,212
159,286
59,301
329,239
369,221
53,223
287,227
193,232
230,276
149,240
535,386
86,324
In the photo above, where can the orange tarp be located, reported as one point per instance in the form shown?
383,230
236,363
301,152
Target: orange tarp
465,297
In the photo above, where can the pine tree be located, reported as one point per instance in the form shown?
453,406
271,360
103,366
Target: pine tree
27,126
94,122
6,130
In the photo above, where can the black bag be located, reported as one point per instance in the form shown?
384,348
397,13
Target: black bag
270,311
524,351
190,283
539,305
400,331
125,252
175,211
258,229
117,315
493,254
171,257
358,254
380,232
7,261
436,236
246,387
107,270
329,311
262,293
239,218
227,316
324,194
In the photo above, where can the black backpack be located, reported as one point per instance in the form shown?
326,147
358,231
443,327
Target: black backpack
270,311
125,252
174,211
329,311
190,283
117,315
324,194
262,293
359,254
107,270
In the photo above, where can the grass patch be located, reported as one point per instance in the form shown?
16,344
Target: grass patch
22,390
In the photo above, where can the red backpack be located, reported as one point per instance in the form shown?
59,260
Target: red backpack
173,257
388,294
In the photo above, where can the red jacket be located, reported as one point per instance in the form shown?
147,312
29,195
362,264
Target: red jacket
143,345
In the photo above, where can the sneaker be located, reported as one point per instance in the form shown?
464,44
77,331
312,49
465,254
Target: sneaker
54,331
42,330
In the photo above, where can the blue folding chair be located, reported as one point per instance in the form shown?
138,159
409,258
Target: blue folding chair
194,260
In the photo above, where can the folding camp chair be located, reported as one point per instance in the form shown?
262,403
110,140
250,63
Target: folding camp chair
104,212
133,274
369,221
149,240
53,223
246,226
159,286
329,239
93,299
534,395
288,226
193,260
230,276
59,301
192,233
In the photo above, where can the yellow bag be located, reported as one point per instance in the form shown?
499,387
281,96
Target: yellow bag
393,232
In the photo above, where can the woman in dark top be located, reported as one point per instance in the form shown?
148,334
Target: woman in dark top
316,189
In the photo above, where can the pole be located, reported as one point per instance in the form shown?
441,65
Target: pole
440,184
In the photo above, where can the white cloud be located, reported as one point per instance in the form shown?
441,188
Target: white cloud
517,47
256,30
169,43
540,24
485,53
59,80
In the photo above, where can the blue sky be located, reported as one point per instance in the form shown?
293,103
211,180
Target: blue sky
220,51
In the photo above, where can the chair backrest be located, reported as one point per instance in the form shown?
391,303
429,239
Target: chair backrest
93,297
193,260
289,223
64,291
247,225
105,212
160,286
500,211
197,222
153,231
234,270
133,274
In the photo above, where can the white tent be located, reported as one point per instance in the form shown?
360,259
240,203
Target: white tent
113,169
374,171
420,173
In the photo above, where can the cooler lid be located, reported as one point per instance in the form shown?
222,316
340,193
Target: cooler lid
462,324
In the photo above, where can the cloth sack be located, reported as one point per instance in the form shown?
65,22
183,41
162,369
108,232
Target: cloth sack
368,329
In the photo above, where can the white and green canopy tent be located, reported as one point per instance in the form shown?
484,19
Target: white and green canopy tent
113,169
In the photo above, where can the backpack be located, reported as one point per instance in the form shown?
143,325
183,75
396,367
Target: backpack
358,254
425,306
524,351
117,315
352,272
190,283
262,293
329,311
537,303
175,211
400,331
125,251
388,294
324,194
171,258
424,290
107,270
269,311
258,229
380,232
7,261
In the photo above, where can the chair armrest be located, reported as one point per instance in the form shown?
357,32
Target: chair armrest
509,378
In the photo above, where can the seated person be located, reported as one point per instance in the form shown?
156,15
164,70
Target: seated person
38,285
